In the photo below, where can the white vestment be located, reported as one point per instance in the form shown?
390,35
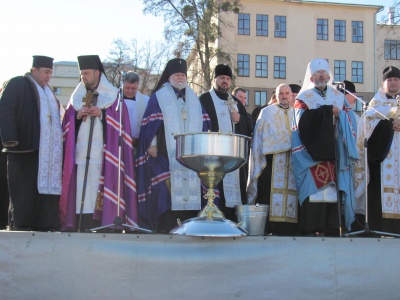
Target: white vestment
181,117
107,96
272,135
231,180
390,167
50,145
136,110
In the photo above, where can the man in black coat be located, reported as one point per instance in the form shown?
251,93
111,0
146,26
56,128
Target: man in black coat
30,129
228,115
383,153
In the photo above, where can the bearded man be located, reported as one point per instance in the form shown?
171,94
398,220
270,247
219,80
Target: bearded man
323,152
228,118
91,138
166,189
383,153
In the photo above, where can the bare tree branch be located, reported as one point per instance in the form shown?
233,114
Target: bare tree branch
195,26
145,58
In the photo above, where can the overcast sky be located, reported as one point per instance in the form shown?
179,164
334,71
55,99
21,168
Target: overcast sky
67,29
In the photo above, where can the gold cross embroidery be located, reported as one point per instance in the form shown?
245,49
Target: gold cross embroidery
309,95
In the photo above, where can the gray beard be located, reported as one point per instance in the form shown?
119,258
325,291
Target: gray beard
177,85
320,84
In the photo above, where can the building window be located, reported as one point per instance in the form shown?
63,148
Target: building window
340,30
261,66
280,26
392,49
244,24
262,25
357,32
339,70
57,90
322,29
243,64
280,67
260,98
357,70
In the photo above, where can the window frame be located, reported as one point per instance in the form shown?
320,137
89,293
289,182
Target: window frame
243,61
260,25
357,37
322,30
339,76
280,26
260,98
394,47
243,23
355,76
279,64
261,64
339,30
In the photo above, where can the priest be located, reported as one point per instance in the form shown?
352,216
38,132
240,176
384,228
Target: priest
30,128
91,146
383,137
166,189
227,115
323,152
271,178
136,103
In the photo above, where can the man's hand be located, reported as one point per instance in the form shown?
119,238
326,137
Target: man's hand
152,150
335,111
83,113
235,116
95,111
396,125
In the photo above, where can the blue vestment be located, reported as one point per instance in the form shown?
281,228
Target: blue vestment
153,173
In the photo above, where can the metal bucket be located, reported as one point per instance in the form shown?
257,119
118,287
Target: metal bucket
253,218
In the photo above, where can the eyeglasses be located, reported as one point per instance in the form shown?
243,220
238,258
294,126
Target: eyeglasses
321,73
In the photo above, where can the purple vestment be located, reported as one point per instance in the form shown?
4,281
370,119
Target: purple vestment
105,210
154,197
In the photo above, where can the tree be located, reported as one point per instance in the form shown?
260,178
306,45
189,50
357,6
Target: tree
117,61
145,58
392,17
195,26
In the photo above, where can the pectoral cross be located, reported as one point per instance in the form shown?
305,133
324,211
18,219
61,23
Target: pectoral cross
87,100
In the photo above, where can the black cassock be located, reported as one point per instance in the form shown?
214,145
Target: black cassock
379,144
317,134
244,127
